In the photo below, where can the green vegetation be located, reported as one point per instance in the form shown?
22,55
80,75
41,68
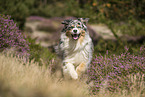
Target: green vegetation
40,54
96,10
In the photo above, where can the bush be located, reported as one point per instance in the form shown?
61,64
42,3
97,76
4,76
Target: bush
11,37
112,72
131,27
40,54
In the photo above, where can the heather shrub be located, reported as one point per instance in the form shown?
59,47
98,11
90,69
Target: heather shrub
113,72
11,38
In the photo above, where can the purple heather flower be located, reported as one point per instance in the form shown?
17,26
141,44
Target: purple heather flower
116,69
11,37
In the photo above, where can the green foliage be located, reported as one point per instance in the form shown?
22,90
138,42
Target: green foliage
39,54
96,10
119,9
115,48
18,9
131,27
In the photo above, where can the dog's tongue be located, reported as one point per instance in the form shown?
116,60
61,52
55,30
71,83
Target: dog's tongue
75,37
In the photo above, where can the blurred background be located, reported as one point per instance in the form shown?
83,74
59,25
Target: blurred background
113,24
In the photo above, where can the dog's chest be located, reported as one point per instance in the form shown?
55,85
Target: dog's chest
79,57
76,53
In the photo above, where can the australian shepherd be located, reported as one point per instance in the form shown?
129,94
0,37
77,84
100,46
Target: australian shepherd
75,47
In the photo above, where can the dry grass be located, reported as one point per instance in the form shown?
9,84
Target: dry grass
31,80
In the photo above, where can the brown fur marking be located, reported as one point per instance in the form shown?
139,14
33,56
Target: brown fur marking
81,68
82,37
67,33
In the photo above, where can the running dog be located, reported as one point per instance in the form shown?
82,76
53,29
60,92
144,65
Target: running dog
75,47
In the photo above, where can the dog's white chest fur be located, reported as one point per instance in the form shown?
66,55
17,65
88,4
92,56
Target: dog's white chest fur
76,52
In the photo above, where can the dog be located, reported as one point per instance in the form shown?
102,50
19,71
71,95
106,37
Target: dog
75,47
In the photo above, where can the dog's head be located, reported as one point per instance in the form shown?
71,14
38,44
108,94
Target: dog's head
75,28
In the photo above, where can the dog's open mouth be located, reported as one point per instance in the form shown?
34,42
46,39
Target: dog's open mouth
75,36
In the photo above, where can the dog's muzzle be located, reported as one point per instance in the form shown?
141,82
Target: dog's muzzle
76,34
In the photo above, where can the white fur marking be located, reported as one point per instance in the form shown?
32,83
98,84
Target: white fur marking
70,69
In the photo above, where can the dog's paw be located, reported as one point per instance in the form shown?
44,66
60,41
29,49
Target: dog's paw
70,69
65,70
74,75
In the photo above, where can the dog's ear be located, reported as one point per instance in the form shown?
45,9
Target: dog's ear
84,20
66,22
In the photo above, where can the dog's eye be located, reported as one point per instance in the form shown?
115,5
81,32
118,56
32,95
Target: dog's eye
71,27
78,26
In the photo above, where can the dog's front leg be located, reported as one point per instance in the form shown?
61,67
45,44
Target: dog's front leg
81,69
69,68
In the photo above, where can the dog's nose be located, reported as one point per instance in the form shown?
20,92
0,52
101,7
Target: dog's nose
75,31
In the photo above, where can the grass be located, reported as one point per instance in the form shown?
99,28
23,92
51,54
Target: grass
31,80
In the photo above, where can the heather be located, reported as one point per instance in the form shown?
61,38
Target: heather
11,38
14,41
113,72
